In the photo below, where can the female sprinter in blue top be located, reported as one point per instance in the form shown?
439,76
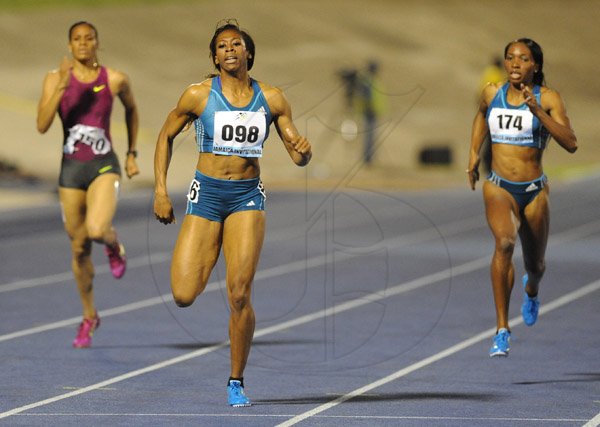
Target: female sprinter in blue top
232,113
520,116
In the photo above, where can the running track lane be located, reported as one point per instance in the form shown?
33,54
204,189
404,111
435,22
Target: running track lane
553,305
486,334
396,290
420,236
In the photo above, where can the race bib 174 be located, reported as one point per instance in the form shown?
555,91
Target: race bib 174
511,126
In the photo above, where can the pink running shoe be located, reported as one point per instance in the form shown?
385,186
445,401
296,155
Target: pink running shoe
85,332
116,259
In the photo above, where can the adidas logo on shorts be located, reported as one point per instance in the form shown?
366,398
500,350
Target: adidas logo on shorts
532,187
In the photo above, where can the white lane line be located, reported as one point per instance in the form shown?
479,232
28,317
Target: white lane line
292,267
141,261
290,233
350,417
396,290
116,379
37,281
158,257
594,422
446,230
76,320
592,287
553,305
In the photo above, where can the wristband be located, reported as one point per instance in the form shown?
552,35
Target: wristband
133,153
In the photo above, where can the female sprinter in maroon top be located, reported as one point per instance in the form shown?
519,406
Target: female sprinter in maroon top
81,92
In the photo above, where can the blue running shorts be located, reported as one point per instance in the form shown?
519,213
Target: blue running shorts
215,199
522,192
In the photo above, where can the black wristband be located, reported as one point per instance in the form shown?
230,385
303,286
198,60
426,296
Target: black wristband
133,153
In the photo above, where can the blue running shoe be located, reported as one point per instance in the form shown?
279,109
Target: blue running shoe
501,343
235,394
530,306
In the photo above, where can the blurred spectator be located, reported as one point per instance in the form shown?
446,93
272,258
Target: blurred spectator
364,95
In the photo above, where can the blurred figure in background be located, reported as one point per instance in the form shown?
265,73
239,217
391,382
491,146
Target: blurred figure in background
371,104
493,73
363,93
81,91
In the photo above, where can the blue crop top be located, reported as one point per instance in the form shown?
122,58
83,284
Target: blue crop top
515,125
233,131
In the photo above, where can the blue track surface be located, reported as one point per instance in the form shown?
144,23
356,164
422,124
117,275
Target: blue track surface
372,309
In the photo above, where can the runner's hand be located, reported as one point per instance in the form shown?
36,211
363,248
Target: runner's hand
299,143
64,72
131,167
163,209
529,99
473,173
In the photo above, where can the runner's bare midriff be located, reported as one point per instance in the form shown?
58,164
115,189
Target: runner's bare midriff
228,167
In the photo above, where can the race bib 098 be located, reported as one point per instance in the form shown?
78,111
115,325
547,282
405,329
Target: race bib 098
239,133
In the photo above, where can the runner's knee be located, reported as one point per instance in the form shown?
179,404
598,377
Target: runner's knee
536,268
182,300
81,248
96,232
239,298
182,295
505,245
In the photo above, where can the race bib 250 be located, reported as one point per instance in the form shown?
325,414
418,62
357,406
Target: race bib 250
89,135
